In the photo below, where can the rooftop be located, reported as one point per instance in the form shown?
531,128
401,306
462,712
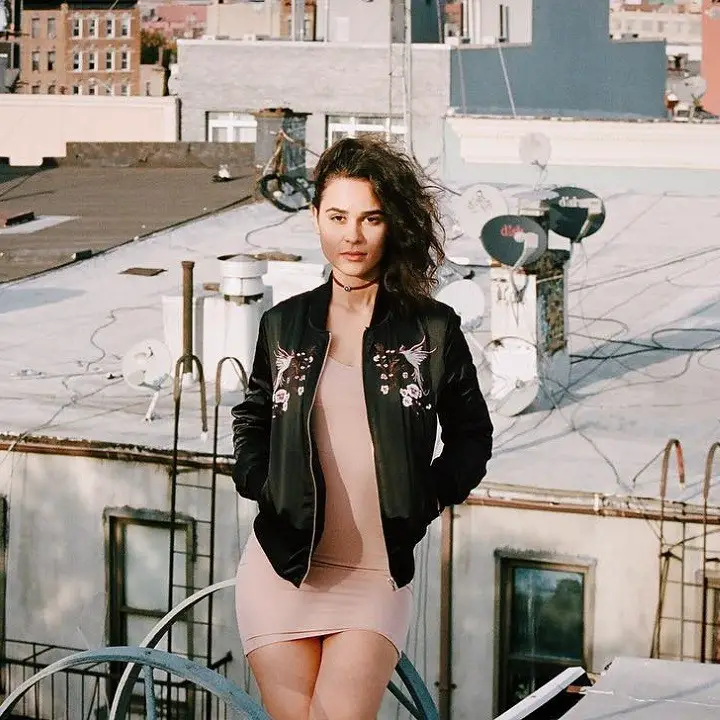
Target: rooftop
644,333
96,208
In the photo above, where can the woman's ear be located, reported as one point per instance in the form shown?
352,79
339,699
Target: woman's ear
314,212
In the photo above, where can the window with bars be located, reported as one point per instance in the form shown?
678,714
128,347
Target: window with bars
137,552
545,613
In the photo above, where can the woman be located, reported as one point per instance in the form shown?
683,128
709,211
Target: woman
335,442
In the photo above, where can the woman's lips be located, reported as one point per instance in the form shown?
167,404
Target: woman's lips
354,257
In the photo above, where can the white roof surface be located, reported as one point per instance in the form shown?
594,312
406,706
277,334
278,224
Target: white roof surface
650,274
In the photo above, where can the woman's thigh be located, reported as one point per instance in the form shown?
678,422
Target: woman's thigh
286,673
355,669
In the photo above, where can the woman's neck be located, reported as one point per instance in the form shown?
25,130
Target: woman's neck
354,294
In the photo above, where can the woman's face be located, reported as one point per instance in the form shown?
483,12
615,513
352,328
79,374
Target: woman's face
352,228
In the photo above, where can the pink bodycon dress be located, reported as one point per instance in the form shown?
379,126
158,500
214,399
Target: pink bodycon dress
349,585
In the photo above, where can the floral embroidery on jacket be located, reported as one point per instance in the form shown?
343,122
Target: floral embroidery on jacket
400,372
291,373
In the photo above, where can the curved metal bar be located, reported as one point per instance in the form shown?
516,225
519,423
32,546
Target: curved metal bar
209,680
680,461
150,704
121,701
417,689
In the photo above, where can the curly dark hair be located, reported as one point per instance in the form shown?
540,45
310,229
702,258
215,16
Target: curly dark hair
415,238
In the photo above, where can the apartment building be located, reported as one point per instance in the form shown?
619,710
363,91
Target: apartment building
80,48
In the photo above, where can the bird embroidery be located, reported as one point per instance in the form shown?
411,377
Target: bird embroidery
414,356
283,361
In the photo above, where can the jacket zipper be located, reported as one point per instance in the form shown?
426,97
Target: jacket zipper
390,579
312,472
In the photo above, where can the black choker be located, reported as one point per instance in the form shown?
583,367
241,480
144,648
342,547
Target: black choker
347,288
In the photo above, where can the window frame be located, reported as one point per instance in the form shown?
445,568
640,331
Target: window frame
124,59
35,61
351,125
51,23
109,54
35,28
505,561
51,60
77,54
125,26
76,30
114,519
93,27
239,121
109,27
92,64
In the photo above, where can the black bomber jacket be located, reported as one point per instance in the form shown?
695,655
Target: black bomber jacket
417,368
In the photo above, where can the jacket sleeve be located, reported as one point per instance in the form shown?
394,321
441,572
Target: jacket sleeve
466,428
251,425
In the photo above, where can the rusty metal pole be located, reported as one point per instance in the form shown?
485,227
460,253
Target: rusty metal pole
445,684
187,266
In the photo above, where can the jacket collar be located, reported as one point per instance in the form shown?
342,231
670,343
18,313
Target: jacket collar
320,303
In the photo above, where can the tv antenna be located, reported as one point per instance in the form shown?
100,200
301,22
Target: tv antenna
691,89
147,367
535,150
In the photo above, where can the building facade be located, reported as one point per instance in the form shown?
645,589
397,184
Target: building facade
711,55
80,48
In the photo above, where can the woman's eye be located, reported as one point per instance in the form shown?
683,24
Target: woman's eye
336,218
375,220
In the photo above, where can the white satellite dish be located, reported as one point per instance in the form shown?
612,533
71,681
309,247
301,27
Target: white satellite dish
535,149
690,89
147,367
476,205
468,301
515,384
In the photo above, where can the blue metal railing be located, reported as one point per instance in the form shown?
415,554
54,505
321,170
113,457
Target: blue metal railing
140,661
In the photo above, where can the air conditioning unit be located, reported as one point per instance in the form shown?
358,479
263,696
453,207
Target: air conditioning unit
249,37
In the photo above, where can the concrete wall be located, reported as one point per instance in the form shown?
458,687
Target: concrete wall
39,126
56,564
571,69
606,156
317,78
623,599
56,568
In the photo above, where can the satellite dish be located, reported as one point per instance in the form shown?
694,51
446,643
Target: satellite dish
514,240
513,363
690,89
147,367
476,205
575,213
468,301
535,149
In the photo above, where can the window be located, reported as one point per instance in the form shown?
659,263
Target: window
35,27
35,61
110,27
51,89
124,89
357,126
77,89
137,553
124,60
92,88
51,29
93,27
92,60
77,62
35,89
231,127
109,60
125,27
51,60
544,613
77,27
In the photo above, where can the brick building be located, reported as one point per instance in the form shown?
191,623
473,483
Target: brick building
81,47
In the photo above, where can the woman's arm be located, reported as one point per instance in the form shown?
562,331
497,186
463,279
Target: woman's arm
251,425
465,422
